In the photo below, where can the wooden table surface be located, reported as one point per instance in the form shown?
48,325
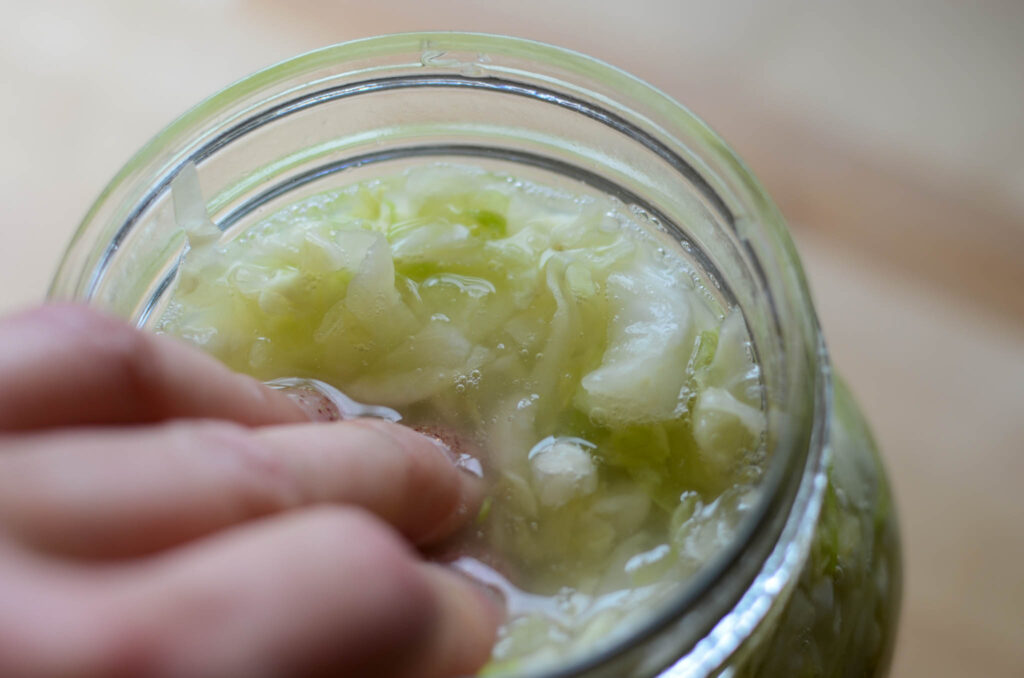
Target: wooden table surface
904,186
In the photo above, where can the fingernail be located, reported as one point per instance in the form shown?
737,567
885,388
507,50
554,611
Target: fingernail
453,447
317,406
490,599
472,488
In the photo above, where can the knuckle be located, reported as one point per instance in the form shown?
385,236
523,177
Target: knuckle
88,326
358,532
111,344
131,355
430,487
382,560
253,478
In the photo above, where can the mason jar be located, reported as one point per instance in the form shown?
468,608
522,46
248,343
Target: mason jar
810,584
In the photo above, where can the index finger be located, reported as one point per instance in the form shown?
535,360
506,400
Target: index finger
116,493
66,365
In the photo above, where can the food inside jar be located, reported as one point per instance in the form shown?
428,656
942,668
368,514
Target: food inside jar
611,399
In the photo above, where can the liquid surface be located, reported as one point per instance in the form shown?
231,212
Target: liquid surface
612,406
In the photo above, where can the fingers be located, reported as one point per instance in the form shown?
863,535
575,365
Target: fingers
70,365
107,493
321,592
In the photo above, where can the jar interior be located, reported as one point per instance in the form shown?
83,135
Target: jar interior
338,136
502,115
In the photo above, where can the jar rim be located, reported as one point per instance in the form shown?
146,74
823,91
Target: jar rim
786,484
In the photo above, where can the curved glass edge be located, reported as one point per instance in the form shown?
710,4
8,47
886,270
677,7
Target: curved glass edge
173,144
729,641
841,616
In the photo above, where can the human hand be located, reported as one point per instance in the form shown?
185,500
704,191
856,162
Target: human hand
161,516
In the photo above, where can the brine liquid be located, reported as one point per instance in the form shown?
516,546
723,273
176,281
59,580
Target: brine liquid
612,404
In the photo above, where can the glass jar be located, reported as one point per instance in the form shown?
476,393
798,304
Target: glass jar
811,584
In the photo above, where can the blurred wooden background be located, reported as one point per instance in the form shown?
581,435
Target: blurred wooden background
890,134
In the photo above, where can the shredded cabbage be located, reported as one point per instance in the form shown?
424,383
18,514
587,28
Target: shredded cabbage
616,405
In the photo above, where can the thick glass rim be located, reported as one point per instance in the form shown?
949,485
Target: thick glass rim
789,485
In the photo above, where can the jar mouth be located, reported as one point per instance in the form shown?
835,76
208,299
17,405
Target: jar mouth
580,86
